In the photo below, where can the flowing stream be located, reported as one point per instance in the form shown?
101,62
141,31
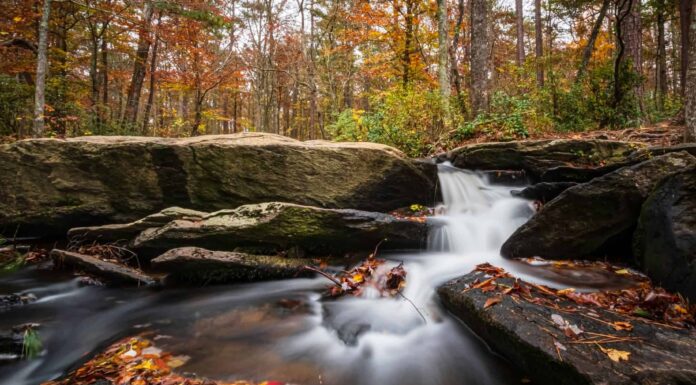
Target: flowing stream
285,330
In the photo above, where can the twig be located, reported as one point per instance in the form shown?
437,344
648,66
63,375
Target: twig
326,275
412,304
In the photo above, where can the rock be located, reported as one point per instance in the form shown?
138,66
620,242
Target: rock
538,156
275,226
589,217
11,300
544,191
665,240
526,335
50,185
113,272
196,265
128,231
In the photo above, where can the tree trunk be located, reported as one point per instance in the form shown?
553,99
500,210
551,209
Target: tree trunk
153,78
141,54
685,13
443,57
41,70
538,43
408,42
587,52
661,58
519,15
456,77
690,86
480,56
104,76
630,57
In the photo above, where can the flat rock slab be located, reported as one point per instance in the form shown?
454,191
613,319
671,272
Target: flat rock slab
537,157
526,334
201,266
128,231
113,272
277,226
583,220
50,185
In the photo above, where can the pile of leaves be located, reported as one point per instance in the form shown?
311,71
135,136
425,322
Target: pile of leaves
415,212
642,301
371,273
136,361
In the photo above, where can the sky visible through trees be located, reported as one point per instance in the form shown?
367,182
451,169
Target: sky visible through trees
415,74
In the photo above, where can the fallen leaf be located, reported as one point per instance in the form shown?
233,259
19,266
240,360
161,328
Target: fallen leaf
619,325
177,361
492,301
616,355
622,272
559,345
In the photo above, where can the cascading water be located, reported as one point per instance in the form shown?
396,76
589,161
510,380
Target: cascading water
248,332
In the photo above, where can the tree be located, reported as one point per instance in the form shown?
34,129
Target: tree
519,18
480,56
443,47
685,15
139,67
538,43
629,58
661,57
690,86
41,69
589,48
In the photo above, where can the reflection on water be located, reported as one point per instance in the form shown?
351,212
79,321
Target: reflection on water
285,330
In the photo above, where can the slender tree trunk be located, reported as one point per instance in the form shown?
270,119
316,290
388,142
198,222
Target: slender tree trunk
589,49
408,42
480,56
633,36
443,45
661,58
41,70
690,93
538,43
519,15
685,13
456,77
153,77
137,80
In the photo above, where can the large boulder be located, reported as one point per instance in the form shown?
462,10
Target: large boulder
543,192
538,157
276,226
201,266
527,334
50,185
589,217
665,240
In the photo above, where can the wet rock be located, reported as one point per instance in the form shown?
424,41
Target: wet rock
544,191
11,300
538,156
268,227
50,185
525,333
665,240
201,266
112,272
128,231
11,343
591,219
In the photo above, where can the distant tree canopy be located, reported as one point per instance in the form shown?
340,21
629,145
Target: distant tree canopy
411,73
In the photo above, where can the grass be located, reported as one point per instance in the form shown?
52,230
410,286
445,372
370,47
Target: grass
31,346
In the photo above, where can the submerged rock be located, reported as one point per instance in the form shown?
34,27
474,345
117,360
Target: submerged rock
665,240
11,300
537,157
589,217
113,272
197,265
526,333
128,231
275,226
50,185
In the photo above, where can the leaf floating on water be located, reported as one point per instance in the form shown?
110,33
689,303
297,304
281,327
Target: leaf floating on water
492,301
622,272
177,361
616,355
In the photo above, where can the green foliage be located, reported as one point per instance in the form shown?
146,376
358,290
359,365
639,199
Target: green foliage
409,119
31,346
15,105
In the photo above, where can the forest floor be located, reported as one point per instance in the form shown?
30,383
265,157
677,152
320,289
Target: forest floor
665,133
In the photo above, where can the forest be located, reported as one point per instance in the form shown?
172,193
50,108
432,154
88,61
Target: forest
417,75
